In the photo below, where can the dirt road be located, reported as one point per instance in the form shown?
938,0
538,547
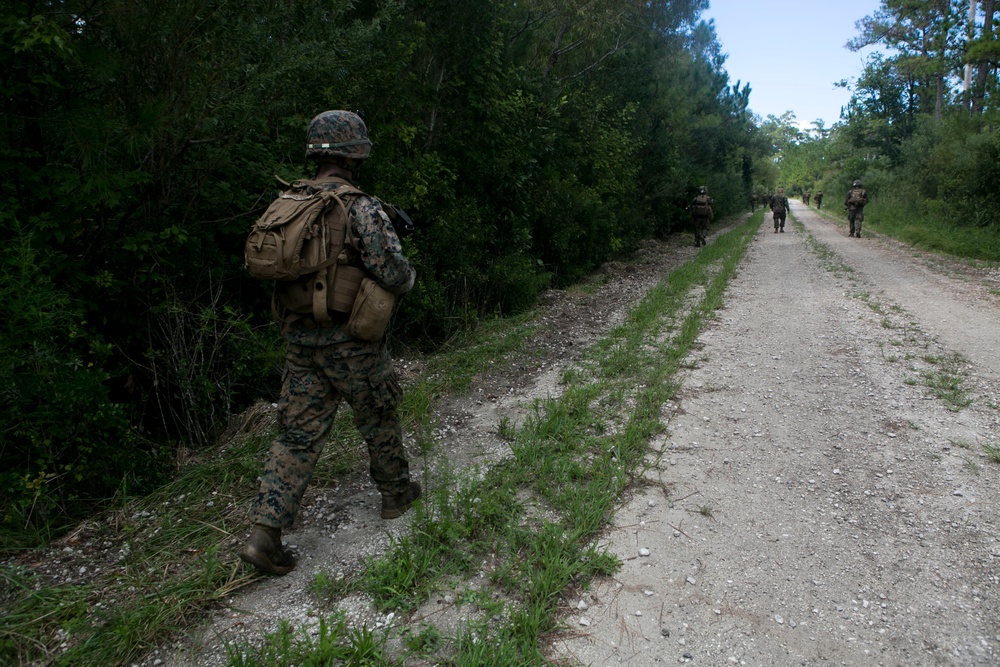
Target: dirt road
814,501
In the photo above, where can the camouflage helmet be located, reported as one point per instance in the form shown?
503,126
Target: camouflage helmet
337,134
857,184
703,189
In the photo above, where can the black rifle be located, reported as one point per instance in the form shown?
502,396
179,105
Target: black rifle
401,222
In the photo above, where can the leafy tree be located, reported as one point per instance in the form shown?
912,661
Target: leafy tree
925,35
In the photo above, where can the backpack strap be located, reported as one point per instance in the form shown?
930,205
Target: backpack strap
326,277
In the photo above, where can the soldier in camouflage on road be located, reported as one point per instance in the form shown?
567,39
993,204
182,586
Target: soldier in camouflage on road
805,198
753,202
701,214
325,364
779,205
819,199
855,202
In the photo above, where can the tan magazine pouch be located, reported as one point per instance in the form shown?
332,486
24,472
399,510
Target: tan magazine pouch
372,311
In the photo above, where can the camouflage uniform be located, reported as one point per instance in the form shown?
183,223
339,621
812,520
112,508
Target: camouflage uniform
779,205
753,202
325,364
805,198
855,212
819,200
699,217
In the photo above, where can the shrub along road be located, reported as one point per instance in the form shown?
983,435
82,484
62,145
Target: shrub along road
827,488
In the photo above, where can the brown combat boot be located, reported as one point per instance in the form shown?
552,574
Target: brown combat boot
394,506
263,550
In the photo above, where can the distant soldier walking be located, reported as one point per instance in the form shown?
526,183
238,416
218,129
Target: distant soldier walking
819,200
701,215
779,206
855,202
753,202
805,198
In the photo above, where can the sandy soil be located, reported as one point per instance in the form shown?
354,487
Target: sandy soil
811,503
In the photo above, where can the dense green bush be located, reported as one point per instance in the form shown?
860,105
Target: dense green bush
62,439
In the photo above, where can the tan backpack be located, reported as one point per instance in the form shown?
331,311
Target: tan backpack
292,238
302,233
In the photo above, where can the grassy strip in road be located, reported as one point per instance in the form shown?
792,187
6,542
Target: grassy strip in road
514,540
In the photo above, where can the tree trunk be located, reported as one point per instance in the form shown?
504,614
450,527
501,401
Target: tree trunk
555,48
983,69
967,79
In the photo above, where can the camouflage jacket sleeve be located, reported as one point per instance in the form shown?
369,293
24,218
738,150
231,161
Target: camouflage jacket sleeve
381,252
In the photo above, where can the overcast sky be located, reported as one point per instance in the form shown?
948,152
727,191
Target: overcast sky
791,52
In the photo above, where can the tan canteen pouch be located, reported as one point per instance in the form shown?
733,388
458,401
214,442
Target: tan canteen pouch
372,311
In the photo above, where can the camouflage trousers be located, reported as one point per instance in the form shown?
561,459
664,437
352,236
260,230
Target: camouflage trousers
700,227
779,220
323,366
855,216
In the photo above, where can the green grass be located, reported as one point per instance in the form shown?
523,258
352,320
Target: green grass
934,235
534,519
947,380
334,643
170,570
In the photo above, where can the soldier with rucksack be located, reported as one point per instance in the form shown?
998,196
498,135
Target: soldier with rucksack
779,206
701,214
855,202
819,200
338,266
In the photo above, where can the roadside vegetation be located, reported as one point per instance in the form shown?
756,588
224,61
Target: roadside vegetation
533,519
